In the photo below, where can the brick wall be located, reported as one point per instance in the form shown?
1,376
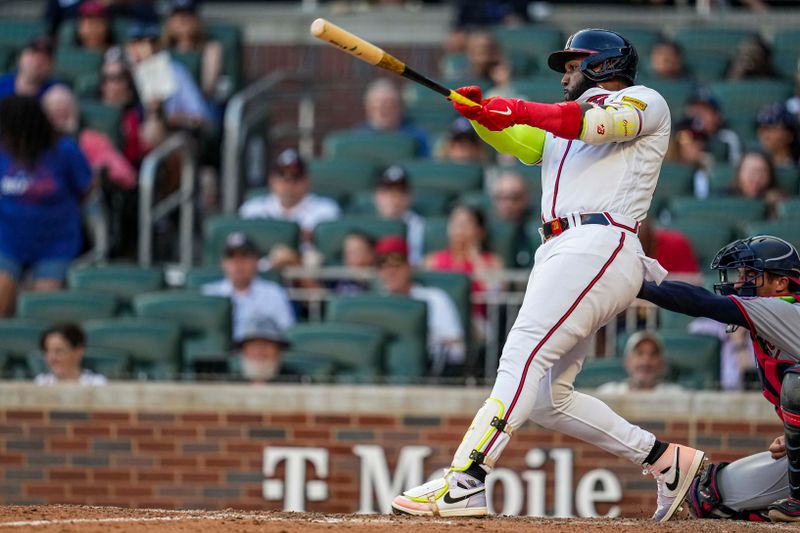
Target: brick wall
187,455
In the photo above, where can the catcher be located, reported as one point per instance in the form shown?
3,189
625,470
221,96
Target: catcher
759,290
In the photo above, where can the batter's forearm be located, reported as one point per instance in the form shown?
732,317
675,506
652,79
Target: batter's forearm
693,301
523,142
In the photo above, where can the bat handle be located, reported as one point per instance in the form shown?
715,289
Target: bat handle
463,100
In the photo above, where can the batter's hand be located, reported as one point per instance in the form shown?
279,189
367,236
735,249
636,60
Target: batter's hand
778,448
494,114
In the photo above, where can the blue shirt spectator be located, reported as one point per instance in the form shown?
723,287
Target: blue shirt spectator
383,107
34,67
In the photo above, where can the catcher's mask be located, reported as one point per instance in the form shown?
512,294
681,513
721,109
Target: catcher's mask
743,263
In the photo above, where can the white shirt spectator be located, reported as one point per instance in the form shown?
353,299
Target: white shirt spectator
311,210
445,334
262,299
87,378
415,227
187,100
623,387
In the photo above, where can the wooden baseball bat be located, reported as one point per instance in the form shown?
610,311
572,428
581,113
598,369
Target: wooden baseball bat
369,53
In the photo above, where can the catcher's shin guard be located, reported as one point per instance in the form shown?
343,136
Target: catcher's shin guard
790,406
485,439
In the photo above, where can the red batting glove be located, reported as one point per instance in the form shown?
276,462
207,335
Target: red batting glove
494,114
473,92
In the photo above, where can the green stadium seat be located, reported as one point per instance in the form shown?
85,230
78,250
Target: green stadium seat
113,364
788,180
675,92
675,180
378,148
693,359
674,321
18,336
432,119
523,64
710,40
730,210
122,281
537,41
230,37
643,38
5,364
452,65
87,86
435,237
152,344
63,306
71,63
444,177
785,62
707,68
788,230
545,88
98,116
329,236
192,60
266,233
790,209
477,199
340,178
596,372
707,237
356,350
17,33
749,96
787,40
403,320
205,321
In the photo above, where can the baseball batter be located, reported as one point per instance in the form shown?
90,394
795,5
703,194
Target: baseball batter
601,152
759,290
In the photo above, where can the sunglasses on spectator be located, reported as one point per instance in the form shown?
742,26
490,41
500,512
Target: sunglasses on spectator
114,77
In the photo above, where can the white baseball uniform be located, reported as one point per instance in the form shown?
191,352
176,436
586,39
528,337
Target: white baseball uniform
585,276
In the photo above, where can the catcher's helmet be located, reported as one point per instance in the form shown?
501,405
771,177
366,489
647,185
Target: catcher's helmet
762,253
613,53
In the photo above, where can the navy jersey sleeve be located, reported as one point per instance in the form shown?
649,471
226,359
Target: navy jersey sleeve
693,301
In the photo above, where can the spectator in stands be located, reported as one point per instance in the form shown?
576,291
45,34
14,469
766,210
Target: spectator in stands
753,59
43,180
142,128
705,113
291,198
777,133
666,61
483,55
392,199
94,31
689,145
384,111
165,85
482,13
260,349
645,365
755,178
358,255
61,107
57,11
511,203
445,333
253,298
184,33
793,103
63,347
463,145
737,362
671,249
34,68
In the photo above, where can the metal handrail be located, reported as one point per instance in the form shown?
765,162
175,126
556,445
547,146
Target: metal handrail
182,199
240,115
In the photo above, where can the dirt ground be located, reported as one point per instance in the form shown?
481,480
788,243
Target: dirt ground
68,519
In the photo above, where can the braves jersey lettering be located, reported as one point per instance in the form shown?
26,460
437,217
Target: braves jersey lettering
616,177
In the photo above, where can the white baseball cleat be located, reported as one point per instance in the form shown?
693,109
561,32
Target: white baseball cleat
454,494
674,472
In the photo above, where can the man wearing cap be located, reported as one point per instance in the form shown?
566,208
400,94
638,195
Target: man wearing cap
180,98
511,203
645,365
253,298
260,350
393,200
34,67
94,27
291,197
777,132
462,144
704,110
445,334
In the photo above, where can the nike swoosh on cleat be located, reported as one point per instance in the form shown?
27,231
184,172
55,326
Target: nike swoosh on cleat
448,499
674,484
506,112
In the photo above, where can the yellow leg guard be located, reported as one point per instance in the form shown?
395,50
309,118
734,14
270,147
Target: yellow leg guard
487,427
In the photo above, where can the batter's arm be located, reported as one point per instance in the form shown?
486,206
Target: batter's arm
526,143
691,300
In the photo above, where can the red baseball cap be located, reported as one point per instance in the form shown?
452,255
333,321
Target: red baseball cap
92,8
393,244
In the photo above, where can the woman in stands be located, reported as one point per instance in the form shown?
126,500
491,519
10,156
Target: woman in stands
755,178
63,347
43,180
93,30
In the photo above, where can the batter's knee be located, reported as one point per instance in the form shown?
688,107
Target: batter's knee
549,404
